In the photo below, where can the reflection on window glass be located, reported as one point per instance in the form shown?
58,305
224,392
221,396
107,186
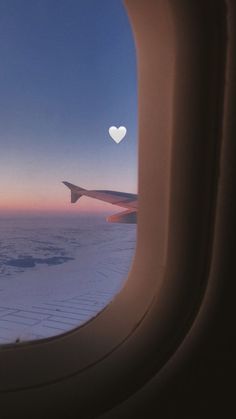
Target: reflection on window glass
68,162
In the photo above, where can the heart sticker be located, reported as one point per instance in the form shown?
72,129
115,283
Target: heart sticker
117,134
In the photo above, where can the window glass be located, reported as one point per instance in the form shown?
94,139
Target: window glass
68,113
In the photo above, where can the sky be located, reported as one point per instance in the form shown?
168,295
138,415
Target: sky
67,73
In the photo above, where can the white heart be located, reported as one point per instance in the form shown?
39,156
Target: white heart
117,134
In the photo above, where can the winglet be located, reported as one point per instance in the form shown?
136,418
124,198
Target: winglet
76,191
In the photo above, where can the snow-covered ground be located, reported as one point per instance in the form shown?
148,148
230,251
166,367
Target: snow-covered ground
57,273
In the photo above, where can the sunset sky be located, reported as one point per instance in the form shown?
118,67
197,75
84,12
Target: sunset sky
67,73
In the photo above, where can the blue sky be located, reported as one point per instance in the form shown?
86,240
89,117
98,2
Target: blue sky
67,73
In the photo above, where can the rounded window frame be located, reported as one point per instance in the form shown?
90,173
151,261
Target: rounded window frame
152,310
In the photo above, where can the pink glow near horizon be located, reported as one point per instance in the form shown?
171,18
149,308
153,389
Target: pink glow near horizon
83,206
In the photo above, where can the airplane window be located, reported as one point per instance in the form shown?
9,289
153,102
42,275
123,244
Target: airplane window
68,163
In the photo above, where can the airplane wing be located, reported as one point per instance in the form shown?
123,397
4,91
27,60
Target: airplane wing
122,199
